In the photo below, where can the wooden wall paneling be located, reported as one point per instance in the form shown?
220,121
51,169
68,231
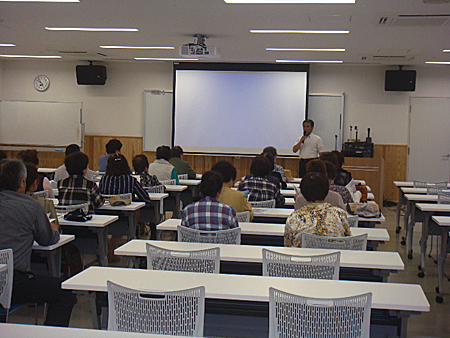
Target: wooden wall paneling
47,159
396,160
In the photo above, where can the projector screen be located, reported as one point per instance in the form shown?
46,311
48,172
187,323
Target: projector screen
239,108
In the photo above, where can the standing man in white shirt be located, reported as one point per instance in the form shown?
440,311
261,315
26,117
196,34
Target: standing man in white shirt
309,146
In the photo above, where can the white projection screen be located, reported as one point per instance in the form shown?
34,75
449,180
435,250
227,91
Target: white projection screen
239,111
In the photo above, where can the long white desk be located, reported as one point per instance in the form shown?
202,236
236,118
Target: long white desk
382,262
36,331
440,225
98,225
53,253
273,234
157,200
229,291
175,191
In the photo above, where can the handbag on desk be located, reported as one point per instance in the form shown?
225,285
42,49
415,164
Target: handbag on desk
367,210
77,215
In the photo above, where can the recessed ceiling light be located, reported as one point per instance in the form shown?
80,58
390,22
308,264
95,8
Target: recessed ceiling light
311,61
296,31
39,0
7,45
163,59
32,56
306,49
91,29
438,62
290,1
137,47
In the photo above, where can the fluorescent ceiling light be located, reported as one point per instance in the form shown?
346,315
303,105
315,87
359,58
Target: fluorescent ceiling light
311,61
307,49
136,47
438,62
296,31
32,56
446,50
7,45
39,0
87,29
290,1
164,59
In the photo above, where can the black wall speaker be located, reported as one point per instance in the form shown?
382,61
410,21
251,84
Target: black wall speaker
400,81
91,75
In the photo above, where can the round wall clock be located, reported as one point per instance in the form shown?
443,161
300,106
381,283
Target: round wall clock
41,83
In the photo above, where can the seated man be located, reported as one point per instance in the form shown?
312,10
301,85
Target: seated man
259,187
22,221
114,146
161,167
61,173
182,166
317,217
208,213
76,189
231,197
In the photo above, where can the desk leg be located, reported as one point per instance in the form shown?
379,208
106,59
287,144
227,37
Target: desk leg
54,262
131,225
398,210
96,319
156,210
405,222
410,234
176,212
423,243
102,236
441,260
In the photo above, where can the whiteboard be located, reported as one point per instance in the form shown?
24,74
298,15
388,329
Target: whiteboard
326,110
157,119
41,123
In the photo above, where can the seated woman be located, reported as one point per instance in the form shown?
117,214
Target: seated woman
317,166
31,156
343,177
273,173
140,165
317,217
209,213
161,167
233,198
343,191
276,167
258,186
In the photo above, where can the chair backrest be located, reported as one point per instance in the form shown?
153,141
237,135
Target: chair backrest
155,189
297,316
434,190
64,209
183,177
352,221
231,236
423,184
443,198
6,277
243,216
207,260
263,204
277,264
169,182
339,243
41,194
179,313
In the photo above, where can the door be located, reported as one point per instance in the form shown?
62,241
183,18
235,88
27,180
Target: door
429,139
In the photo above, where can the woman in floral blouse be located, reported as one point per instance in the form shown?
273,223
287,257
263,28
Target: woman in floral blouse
316,217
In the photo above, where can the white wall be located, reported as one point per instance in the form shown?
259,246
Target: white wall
117,107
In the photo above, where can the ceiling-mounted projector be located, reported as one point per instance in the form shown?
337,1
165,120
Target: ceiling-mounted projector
198,48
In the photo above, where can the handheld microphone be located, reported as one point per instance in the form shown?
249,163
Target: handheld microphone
304,134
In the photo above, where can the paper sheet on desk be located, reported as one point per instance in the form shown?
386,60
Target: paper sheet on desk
262,211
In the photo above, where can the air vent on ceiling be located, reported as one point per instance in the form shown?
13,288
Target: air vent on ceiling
387,58
412,20
69,52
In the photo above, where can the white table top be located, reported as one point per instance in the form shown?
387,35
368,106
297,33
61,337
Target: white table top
267,229
63,239
393,296
154,196
407,190
409,184
421,198
36,331
3,267
133,206
441,220
97,221
427,207
290,201
297,184
285,213
47,170
175,188
253,253
190,182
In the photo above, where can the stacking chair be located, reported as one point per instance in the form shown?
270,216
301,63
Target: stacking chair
243,216
64,209
231,236
443,198
41,194
292,316
337,243
353,221
424,184
155,189
263,204
277,264
169,182
207,261
183,177
6,280
179,313
434,190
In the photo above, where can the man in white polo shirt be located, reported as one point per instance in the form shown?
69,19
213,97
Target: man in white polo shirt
309,146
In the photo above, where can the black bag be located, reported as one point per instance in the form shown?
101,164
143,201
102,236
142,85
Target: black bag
77,215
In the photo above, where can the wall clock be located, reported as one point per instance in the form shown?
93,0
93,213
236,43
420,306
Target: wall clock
41,83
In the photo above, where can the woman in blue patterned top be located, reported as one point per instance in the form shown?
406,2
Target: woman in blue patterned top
208,213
